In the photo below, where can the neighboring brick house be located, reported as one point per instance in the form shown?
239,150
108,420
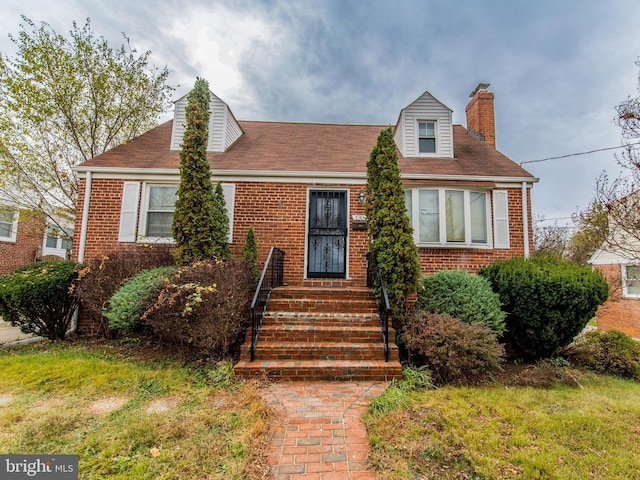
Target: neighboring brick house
301,186
622,310
20,238
25,238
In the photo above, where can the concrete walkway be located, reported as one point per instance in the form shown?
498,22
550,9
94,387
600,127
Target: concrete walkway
320,434
9,335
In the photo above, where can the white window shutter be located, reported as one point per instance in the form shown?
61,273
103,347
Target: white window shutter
229,191
129,212
501,219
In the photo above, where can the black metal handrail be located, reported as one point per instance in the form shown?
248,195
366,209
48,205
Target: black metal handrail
272,276
376,282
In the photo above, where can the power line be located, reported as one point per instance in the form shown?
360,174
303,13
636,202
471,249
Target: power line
577,154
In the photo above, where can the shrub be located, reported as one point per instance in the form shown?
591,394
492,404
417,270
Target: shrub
610,352
205,307
37,298
102,277
250,253
454,351
134,297
548,302
463,296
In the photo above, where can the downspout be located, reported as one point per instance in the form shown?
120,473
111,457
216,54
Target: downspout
85,218
82,246
525,220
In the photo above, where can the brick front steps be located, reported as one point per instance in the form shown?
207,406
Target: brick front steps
320,334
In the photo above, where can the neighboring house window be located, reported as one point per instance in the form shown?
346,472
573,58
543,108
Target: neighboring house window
8,224
449,217
58,239
427,137
156,211
631,281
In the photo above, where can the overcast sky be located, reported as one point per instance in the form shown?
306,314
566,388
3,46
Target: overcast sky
557,68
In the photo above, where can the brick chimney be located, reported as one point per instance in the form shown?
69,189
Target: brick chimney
480,117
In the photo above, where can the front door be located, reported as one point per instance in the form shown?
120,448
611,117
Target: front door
327,247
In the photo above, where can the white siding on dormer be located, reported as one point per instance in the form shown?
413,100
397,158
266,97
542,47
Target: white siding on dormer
223,128
425,108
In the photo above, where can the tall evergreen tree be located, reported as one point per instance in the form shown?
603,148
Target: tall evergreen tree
197,218
388,225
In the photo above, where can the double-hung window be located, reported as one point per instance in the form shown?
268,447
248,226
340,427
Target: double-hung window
426,137
631,281
8,224
449,217
160,205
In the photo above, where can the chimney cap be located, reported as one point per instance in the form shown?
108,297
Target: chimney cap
481,87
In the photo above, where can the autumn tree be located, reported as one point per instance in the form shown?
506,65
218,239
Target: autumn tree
64,100
388,227
592,225
621,195
200,222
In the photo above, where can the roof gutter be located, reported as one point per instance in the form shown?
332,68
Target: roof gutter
266,174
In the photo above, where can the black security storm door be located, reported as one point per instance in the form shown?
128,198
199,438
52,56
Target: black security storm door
327,249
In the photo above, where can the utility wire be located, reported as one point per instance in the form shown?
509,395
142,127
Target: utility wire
579,153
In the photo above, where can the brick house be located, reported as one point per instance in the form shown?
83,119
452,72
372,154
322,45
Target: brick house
622,309
25,237
301,186
276,176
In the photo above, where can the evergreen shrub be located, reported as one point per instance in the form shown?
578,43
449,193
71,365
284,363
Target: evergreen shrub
609,352
38,298
102,277
547,302
205,308
134,297
250,253
455,352
463,296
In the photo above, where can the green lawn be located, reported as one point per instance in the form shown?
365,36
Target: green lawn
98,403
129,419
565,432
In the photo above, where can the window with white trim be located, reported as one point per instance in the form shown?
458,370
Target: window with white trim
159,208
426,137
156,212
57,241
8,224
631,281
449,217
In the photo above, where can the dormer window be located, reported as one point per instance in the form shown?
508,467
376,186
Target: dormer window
427,137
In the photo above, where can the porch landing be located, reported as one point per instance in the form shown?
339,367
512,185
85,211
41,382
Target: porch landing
321,334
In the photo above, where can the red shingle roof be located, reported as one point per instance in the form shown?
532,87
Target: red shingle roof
308,147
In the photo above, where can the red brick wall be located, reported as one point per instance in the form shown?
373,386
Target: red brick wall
29,238
278,211
618,313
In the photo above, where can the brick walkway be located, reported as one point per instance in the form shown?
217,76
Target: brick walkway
320,435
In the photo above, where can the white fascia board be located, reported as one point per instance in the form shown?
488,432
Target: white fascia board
355,178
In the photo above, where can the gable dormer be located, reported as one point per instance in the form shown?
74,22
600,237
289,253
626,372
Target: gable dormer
223,127
425,129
